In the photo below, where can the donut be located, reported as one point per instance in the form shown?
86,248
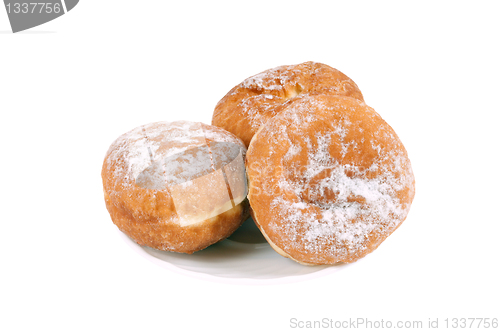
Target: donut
254,101
329,180
176,186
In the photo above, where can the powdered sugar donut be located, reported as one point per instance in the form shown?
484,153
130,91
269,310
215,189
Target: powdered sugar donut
260,97
178,186
329,180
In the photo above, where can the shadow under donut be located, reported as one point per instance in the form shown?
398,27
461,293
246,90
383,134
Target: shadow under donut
245,254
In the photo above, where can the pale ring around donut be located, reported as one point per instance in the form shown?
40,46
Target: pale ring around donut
176,186
329,180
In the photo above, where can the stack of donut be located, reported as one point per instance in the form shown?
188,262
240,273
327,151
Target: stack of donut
328,179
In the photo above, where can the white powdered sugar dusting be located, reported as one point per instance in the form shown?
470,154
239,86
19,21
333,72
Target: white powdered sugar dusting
164,153
270,87
336,205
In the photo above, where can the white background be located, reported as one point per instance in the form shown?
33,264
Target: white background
70,87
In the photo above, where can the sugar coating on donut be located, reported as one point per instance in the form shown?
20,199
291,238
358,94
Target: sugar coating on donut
139,148
164,180
329,180
260,97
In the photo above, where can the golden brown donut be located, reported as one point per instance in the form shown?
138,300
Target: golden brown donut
329,180
260,97
176,186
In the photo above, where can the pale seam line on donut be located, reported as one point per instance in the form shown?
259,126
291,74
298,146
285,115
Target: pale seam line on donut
280,250
271,243
317,151
151,157
222,169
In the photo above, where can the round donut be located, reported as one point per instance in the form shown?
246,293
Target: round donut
178,186
329,180
258,98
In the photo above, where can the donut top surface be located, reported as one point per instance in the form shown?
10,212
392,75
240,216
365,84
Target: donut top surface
329,179
254,101
160,140
196,169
